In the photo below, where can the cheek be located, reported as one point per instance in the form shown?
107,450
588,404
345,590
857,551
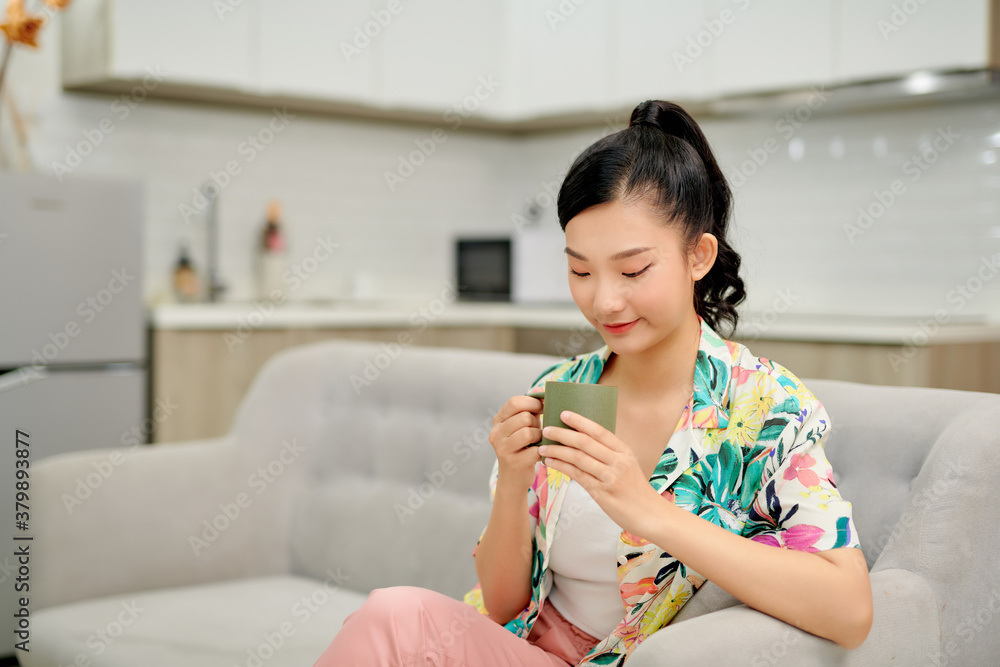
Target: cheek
581,294
659,295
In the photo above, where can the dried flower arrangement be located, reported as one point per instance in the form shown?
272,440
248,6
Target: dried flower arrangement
21,27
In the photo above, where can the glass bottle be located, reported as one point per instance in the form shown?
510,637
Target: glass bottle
271,256
185,277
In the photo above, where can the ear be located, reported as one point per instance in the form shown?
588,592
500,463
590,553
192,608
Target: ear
703,256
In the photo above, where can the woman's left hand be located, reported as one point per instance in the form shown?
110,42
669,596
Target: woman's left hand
605,467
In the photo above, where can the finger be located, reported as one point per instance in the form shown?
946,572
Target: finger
518,404
584,479
580,441
528,436
512,424
576,458
583,424
528,403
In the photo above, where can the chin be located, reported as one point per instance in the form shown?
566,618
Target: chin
626,345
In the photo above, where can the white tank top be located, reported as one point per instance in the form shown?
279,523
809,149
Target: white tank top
584,565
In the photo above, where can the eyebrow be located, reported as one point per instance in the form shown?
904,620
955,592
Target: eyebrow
624,254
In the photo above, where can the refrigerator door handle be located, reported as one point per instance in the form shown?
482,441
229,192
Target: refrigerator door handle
17,378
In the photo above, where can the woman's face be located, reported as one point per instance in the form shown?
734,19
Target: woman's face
627,268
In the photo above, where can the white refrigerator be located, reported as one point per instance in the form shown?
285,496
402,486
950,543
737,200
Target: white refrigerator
73,341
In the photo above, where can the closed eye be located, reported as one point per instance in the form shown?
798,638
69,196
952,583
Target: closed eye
578,274
633,275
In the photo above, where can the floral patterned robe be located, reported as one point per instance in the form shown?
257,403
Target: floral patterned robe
746,455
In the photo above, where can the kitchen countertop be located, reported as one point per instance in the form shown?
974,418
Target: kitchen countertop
353,314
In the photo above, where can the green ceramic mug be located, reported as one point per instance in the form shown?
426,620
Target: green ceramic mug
596,402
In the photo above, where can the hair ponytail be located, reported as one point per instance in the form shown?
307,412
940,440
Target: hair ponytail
664,158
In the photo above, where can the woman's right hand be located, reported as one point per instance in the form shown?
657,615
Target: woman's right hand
515,427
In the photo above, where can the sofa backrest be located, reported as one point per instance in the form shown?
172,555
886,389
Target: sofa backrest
880,441
389,484
392,482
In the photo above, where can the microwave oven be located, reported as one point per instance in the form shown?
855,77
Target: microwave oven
483,268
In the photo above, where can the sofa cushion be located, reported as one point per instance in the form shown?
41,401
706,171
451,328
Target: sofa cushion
382,533
280,621
878,444
357,409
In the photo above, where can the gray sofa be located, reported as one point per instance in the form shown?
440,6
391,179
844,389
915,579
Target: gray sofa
352,466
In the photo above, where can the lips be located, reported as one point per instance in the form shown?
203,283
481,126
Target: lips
620,327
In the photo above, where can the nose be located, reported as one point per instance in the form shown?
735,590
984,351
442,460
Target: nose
609,300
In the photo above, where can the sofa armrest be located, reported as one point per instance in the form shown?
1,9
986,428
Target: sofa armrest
904,632
946,535
113,520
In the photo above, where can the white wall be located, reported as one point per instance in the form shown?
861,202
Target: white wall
790,217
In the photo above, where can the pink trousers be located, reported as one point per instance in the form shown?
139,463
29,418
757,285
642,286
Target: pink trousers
406,625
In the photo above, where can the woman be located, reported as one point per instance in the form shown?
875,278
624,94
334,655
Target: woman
715,471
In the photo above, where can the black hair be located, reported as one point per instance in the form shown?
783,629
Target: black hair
663,158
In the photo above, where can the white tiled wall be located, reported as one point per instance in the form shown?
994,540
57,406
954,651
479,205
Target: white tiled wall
789,219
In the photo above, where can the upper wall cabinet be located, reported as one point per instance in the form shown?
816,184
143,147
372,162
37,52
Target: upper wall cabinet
184,41
660,49
445,57
771,45
559,56
512,63
331,55
883,38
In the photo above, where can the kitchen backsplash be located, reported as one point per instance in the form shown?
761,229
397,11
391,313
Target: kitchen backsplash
887,213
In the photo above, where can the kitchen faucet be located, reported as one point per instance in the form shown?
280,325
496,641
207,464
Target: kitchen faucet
213,286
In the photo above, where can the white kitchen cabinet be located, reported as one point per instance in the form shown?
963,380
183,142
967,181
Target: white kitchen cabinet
654,51
770,45
511,61
321,50
562,62
446,57
889,38
181,41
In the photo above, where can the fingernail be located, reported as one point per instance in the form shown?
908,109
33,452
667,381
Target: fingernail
547,431
542,449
